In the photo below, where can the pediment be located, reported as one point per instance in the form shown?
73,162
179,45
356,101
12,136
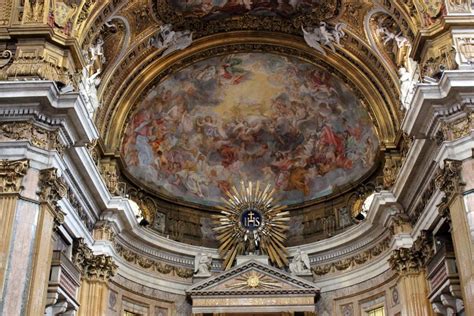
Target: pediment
253,278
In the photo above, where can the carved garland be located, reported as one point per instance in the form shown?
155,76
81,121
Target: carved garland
351,262
152,265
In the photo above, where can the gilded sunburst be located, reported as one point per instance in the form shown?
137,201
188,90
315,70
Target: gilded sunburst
250,223
254,280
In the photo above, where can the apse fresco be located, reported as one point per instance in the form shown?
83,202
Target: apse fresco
225,8
249,116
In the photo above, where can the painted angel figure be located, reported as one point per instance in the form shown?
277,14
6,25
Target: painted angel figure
202,263
323,36
300,263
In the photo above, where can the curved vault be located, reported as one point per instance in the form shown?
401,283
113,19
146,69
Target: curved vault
349,165
248,116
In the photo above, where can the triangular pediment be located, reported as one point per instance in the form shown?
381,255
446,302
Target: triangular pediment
253,278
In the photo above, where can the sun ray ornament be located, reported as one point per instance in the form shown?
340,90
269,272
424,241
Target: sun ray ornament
250,223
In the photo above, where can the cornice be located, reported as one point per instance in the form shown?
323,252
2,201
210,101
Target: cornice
42,101
448,96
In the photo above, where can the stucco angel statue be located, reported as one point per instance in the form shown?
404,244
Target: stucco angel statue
169,41
388,36
324,36
202,263
97,51
300,263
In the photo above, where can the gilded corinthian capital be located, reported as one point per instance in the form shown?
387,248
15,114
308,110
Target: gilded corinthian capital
93,267
52,187
414,259
11,175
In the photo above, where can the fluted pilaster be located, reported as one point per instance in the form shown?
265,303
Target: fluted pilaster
96,271
410,263
11,176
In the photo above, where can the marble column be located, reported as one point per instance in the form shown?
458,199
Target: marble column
11,177
96,271
456,180
51,189
27,243
409,263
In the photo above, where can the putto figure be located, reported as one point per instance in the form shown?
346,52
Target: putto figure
324,36
300,263
202,263
169,41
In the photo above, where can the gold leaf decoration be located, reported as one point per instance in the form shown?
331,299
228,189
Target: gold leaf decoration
250,222
254,280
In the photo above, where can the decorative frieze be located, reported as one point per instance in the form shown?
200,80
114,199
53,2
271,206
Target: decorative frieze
103,231
425,198
414,259
393,163
37,136
11,175
454,130
52,188
83,215
449,181
109,171
153,265
92,147
458,6
353,261
93,267
464,45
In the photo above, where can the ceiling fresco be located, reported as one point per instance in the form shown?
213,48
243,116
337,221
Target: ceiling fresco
248,116
225,8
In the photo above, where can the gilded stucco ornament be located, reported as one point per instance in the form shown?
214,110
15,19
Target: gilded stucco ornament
83,214
251,223
92,267
52,188
414,259
37,136
157,266
11,175
254,280
453,130
392,165
352,261
5,57
326,10
103,230
449,181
